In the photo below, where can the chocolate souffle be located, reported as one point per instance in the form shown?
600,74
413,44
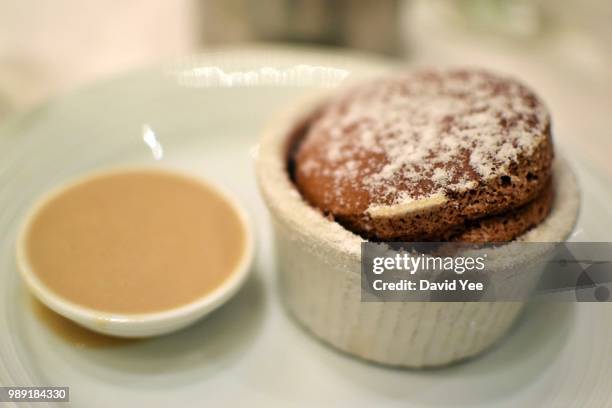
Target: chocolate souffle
457,155
428,155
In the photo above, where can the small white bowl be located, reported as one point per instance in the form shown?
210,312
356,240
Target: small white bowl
144,324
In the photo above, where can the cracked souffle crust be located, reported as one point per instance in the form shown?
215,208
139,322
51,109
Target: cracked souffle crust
418,155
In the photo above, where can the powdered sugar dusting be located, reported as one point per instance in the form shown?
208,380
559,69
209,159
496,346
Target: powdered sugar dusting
421,134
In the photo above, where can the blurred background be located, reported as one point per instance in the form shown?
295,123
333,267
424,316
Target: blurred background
563,49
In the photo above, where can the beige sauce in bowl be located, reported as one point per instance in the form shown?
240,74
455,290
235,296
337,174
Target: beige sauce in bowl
135,241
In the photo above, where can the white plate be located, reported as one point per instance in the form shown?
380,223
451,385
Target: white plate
250,352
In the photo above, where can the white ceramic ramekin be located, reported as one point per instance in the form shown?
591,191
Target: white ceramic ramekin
319,265
144,324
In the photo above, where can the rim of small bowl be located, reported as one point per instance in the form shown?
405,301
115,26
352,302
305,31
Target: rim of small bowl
78,313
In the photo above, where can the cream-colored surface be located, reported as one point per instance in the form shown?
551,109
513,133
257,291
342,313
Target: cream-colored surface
384,211
49,48
319,264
